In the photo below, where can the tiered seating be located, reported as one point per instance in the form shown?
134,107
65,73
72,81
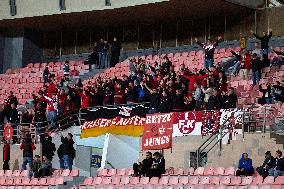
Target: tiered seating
19,179
188,178
28,80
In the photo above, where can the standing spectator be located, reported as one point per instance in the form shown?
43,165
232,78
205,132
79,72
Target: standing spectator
214,101
255,66
264,40
118,94
178,101
49,147
28,147
130,94
36,166
198,97
231,99
165,103
14,120
46,75
52,110
66,69
268,163
6,155
68,151
267,97
79,83
154,100
12,99
69,104
94,56
278,170
115,52
209,49
60,156
40,119
61,101
257,50
245,166
2,118
51,87
85,98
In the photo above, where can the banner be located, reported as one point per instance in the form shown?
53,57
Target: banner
210,122
187,123
158,131
132,126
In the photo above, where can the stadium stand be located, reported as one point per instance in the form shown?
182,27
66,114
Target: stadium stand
171,81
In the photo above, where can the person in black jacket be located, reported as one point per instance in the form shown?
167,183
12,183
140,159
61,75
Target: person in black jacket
268,163
115,52
28,147
154,100
266,95
230,99
214,101
165,103
264,40
178,101
60,156
48,147
278,92
158,166
14,120
255,66
278,170
143,168
68,151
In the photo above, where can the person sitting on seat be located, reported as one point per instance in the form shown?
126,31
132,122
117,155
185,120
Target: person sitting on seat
278,170
46,166
36,166
158,166
245,167
268,163
143,167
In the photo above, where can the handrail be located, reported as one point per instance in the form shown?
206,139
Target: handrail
210,140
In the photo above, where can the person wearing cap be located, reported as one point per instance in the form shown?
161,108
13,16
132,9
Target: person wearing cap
269,162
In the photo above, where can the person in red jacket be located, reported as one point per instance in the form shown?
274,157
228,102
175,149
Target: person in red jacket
118,94
85,98
51,87
6,155
194,79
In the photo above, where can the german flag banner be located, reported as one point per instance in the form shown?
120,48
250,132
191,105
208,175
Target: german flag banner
131,126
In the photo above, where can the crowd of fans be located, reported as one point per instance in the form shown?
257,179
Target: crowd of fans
166,89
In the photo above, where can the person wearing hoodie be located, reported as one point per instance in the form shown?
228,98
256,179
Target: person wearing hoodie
49,147
68,151
245,167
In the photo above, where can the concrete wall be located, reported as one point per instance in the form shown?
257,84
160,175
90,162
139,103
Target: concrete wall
30,8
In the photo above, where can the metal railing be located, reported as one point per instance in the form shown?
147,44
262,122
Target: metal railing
213,140
254,119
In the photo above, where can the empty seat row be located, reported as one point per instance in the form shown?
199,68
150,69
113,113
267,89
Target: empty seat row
31,182
180,187
184,180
